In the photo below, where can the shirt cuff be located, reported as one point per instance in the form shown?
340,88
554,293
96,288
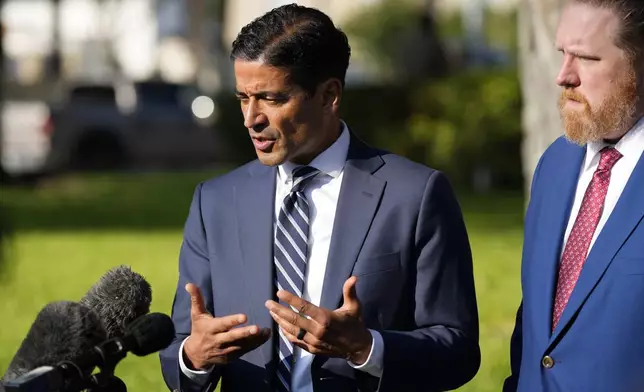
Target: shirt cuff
198,376
374,363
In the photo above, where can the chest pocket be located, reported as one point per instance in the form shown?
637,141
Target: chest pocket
379,287
377,264
627,265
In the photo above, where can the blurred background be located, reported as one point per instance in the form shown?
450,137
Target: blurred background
112,111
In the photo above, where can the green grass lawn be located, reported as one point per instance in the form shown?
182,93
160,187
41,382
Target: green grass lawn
67,232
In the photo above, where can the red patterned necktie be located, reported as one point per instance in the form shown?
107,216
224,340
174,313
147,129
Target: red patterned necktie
583,230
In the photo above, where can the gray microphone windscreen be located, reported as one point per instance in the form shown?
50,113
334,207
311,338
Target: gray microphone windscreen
118,298
62,331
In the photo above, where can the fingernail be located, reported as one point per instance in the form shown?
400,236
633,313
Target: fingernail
254,330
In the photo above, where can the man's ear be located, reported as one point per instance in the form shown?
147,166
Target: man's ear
331,91
639,76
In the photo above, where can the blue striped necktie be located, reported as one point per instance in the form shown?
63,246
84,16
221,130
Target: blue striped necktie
290,258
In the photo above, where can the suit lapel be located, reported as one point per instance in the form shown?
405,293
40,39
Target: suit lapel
254,204
628,212
357,204
554,213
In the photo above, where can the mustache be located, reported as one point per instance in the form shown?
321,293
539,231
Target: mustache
573,95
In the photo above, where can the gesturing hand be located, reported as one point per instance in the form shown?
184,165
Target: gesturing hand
215,340
339,333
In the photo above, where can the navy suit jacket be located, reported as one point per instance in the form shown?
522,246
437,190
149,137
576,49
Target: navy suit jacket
399,229
598,344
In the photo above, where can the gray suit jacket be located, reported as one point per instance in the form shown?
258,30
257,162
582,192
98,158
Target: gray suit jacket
399,229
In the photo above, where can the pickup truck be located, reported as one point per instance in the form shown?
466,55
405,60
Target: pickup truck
131,125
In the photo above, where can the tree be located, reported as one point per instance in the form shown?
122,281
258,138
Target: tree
401,38
3,174
539,63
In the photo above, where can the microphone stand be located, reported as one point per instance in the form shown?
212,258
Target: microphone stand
111,353
65,377
106,383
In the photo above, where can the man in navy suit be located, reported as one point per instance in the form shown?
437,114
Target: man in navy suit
326,265
579,326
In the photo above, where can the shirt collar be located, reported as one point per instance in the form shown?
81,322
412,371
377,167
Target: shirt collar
630,145
330,161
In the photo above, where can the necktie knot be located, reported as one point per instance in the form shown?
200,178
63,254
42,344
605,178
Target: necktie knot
609,156
302,176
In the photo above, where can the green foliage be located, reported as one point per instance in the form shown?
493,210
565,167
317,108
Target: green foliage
376,31
468,122
500,29
460,124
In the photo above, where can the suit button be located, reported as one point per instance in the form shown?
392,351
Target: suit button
547,362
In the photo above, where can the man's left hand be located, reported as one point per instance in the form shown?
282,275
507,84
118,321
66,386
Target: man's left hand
340,333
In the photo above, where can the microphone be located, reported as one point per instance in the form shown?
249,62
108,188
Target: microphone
118,298
62,331
146,335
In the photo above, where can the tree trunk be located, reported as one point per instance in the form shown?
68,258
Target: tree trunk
3,174
539,62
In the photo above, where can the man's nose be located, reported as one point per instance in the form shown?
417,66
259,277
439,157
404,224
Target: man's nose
568,75
253,116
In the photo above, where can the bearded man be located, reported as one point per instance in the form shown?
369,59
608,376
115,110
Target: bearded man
580,322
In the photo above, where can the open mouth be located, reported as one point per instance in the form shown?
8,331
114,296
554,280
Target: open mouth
263,144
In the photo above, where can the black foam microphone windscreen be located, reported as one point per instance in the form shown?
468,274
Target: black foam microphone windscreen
118,298
151,333
147,334
62,331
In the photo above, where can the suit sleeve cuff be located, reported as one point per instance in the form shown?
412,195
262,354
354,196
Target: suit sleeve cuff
198,376
374,363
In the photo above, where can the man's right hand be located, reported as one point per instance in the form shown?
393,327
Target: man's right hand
215,340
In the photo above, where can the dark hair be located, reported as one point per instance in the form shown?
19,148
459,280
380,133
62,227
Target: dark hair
302,40
631,33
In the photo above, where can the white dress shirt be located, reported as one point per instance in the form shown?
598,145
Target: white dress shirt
631,147
322,193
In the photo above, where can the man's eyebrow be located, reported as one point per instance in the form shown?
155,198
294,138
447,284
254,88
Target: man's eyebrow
263,93
583,54
578,53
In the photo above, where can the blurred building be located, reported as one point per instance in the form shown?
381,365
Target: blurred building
98,39
175,40
103,42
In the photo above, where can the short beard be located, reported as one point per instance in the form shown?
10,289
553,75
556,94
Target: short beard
614,114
